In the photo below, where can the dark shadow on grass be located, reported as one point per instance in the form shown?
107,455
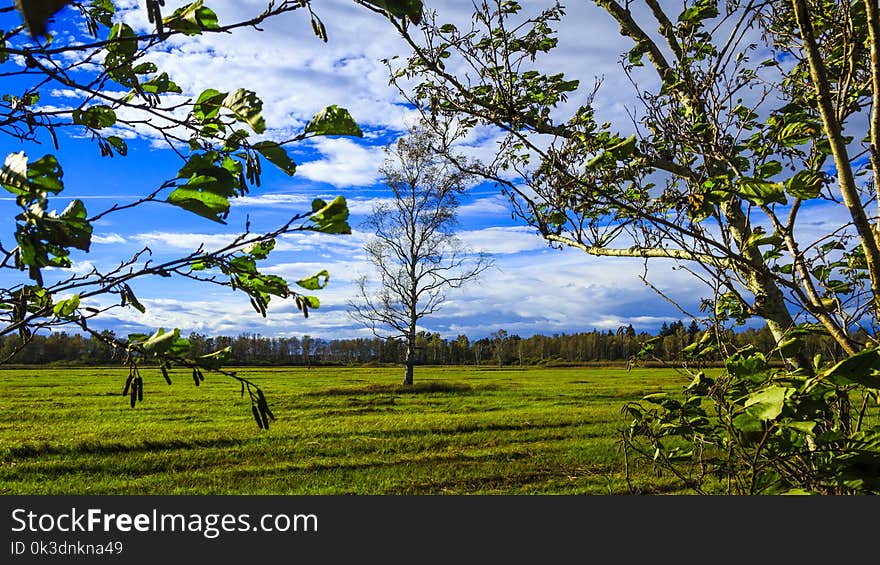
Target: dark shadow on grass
417,388
31,450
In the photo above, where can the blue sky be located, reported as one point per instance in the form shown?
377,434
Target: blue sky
531,289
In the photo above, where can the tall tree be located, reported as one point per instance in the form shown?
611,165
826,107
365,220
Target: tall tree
746,119
413,245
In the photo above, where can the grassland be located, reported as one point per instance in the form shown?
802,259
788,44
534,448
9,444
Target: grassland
339,431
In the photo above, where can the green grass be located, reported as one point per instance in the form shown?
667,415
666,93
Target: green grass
339,431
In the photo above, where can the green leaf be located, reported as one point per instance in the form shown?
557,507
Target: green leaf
333,120
207,190
759,237
161,341
95,117
204,203
261,249
603,160
180,347
102,11
217,180
747,423
866,440
860,368
208,187
208,104
702,10
67,307
797,133
752,367
45,174
769,169
400,8
118,143
623,150
160,85
145,68
196,163
247,108
790,347
122,43
701,384
315,282
312,301
243,264
276,154
767,404
760,192
637,53
192,19
330,218
216,359
805,184
802,427
664,400
75,230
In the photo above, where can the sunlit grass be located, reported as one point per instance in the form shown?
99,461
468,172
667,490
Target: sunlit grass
459,430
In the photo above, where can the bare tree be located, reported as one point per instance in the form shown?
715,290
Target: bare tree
414,247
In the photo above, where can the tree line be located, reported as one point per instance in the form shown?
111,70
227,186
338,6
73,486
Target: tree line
500,348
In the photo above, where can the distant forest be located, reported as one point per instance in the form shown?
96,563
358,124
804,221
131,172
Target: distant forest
499,349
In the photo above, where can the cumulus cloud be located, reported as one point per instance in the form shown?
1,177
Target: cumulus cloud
183,241
502,240
285,201
108,239
301,202
343,163
495,205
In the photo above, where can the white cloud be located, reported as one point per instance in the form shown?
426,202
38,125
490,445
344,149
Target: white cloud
183,241
502,240
167,241
287,66
345,163
78,268
528,292
108,239
274,201
486,207
357,205
364,206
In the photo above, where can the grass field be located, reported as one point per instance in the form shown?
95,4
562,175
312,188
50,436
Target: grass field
460,430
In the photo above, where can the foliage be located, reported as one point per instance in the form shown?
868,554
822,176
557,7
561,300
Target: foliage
113,92
414,249
747,120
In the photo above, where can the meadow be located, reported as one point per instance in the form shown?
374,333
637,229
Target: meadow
459,430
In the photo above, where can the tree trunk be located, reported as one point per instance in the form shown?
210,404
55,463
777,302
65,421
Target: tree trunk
770,305
769,299
410,362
